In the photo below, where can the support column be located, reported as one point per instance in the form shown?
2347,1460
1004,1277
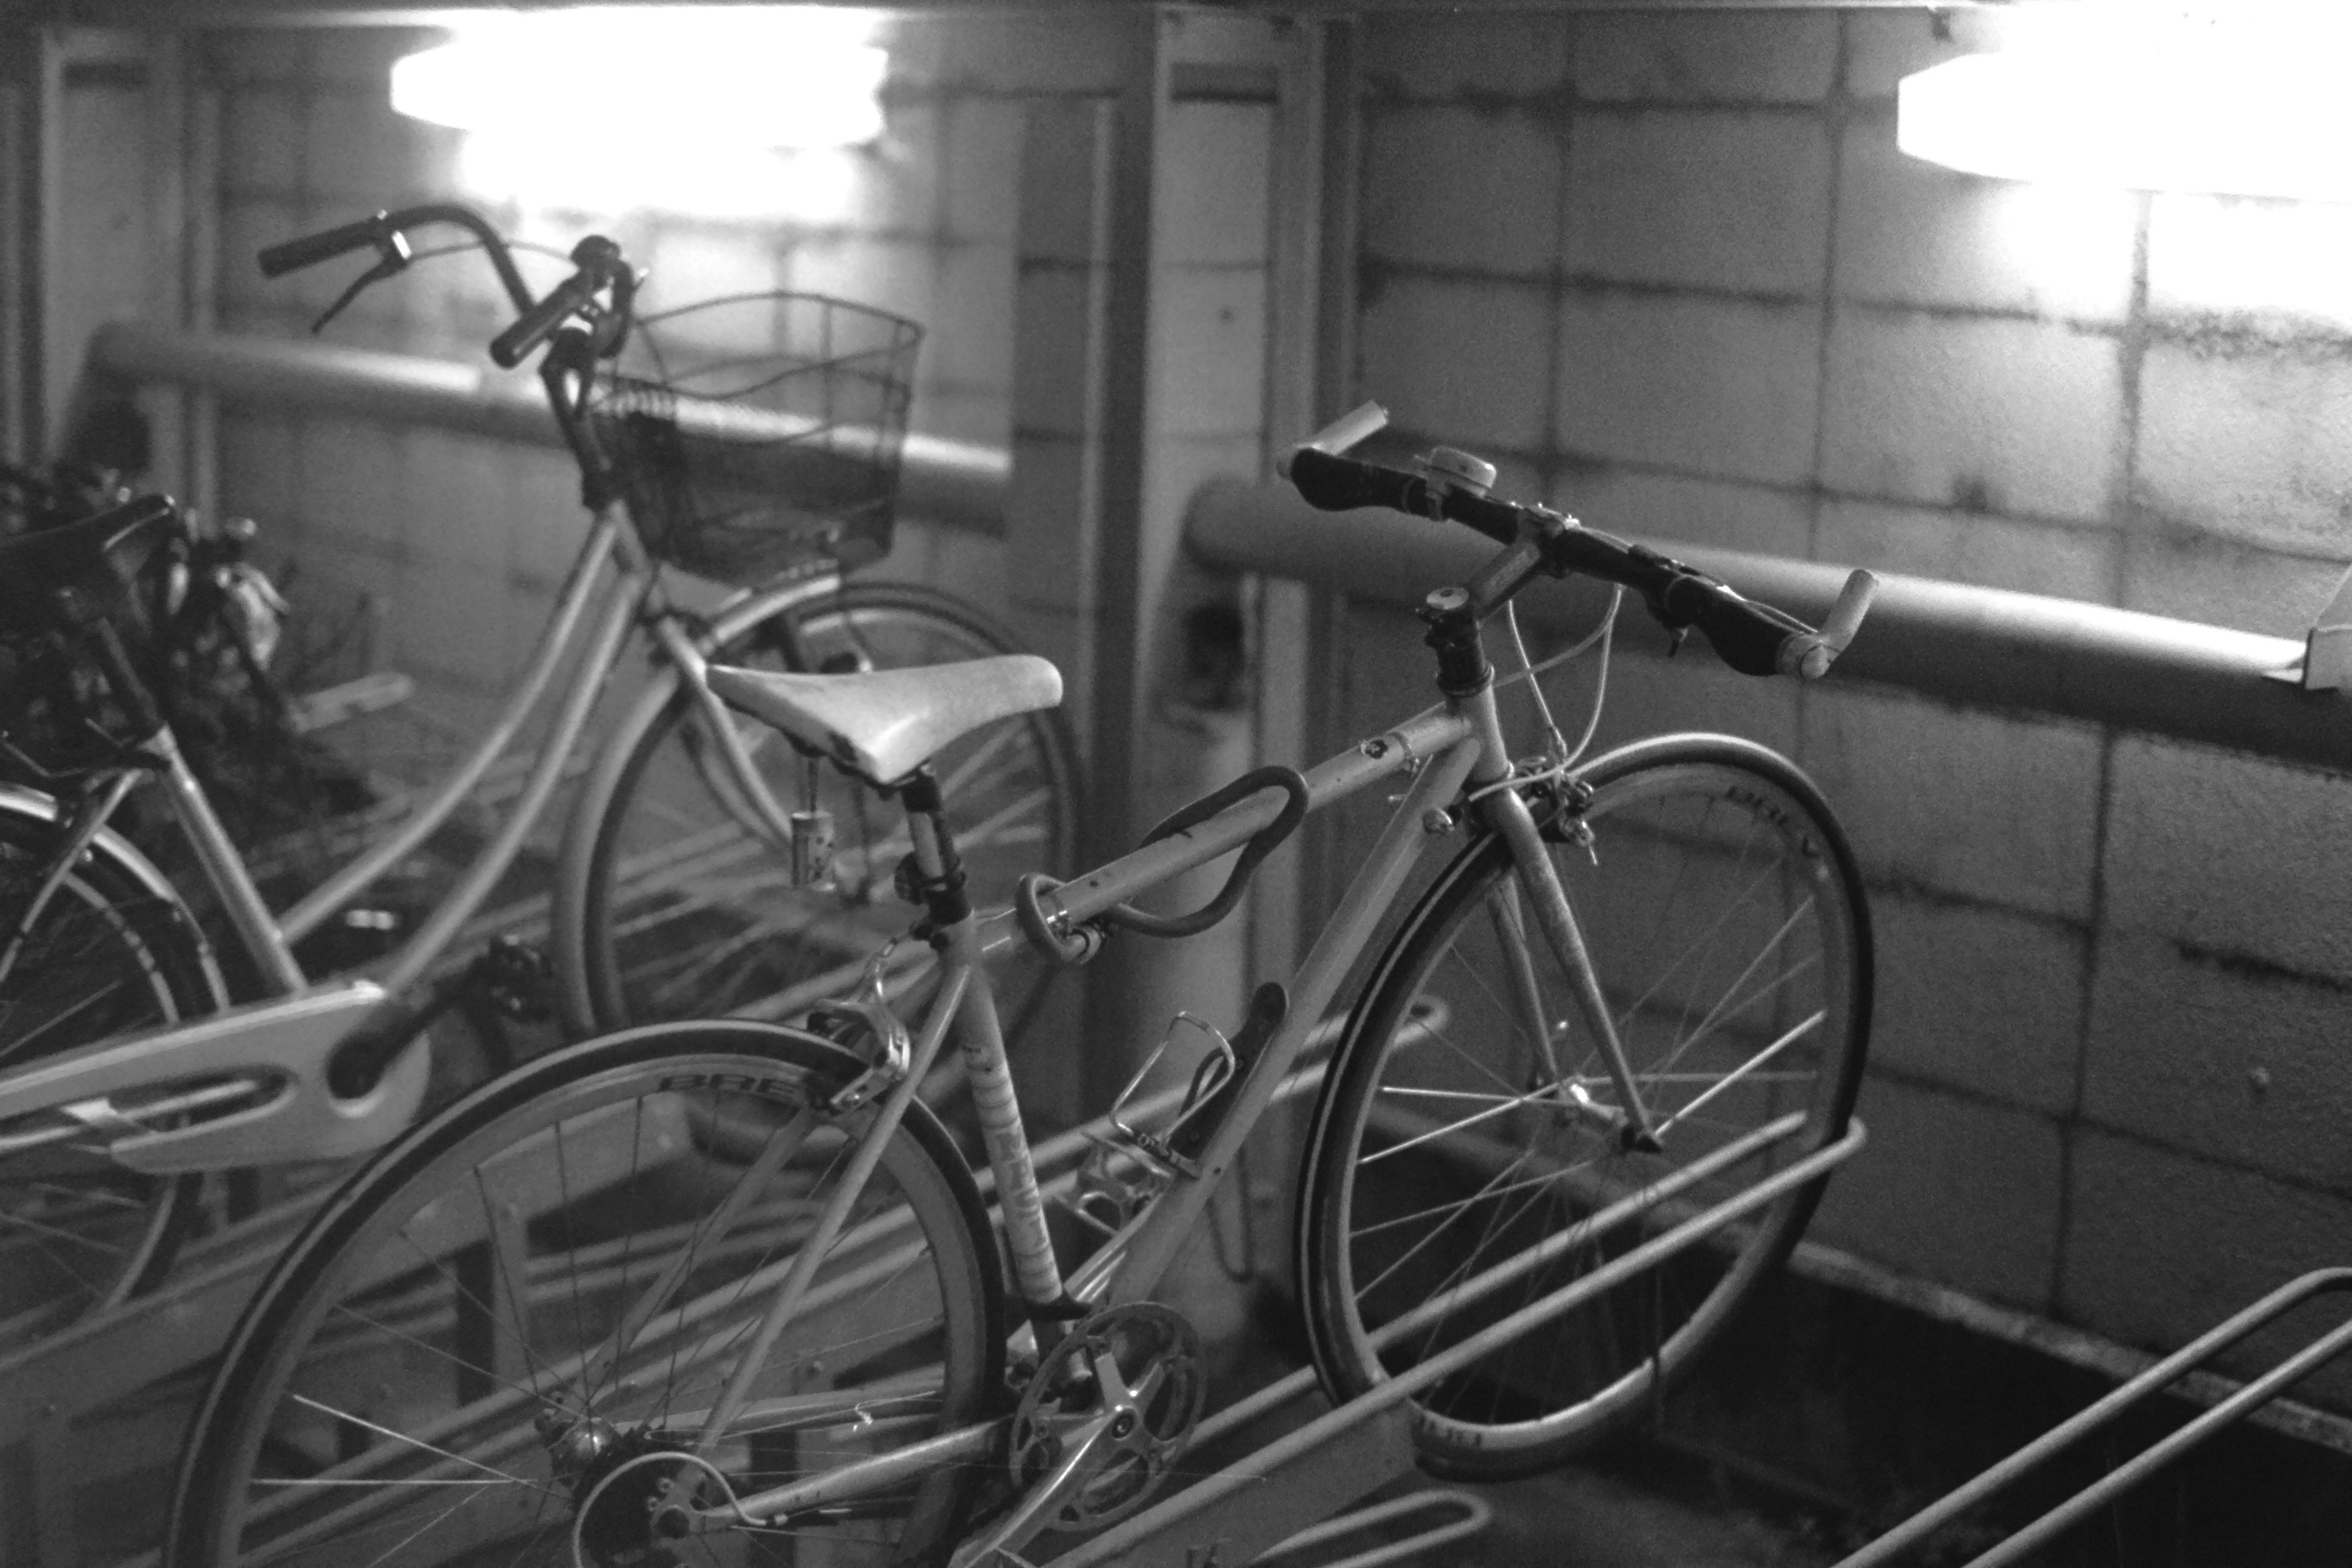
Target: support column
1157,229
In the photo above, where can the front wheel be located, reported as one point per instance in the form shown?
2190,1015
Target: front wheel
1466,1158
496,1343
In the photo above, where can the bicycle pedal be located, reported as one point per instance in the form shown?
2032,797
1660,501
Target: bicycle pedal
517,979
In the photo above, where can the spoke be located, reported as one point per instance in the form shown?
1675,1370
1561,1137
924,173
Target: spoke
334,1414
1730,905
1493,1183
1489,1114
1730,1004
54,1233
1744,1070
960,781
782,1145
1563,1175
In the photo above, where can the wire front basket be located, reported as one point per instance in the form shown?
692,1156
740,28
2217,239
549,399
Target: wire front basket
759,433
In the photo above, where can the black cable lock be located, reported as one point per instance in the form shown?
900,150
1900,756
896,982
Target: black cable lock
1127,917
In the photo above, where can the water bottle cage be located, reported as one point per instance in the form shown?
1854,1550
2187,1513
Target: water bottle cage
866,1024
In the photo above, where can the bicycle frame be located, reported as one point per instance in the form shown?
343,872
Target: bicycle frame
273,1054
1458,744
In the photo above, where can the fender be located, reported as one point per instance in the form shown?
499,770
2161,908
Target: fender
127,856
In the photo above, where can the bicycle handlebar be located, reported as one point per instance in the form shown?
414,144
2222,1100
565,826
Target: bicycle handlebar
596,266
382,231
293,255
1752,638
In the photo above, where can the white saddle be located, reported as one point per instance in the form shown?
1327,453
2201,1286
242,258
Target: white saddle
887,723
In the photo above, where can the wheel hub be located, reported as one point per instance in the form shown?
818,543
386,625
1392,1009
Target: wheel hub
616,1496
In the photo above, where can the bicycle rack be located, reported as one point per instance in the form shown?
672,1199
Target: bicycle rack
1279,1499
1274,1497
2154,1380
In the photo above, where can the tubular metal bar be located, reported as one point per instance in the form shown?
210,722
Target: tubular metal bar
951,482
1142,1528
596,662
579,587
1979,646
1415,741
2292,1294
1476,1514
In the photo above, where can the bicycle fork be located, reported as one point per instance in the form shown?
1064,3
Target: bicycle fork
1537,879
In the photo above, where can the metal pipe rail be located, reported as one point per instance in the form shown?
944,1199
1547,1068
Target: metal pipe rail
1982,646
2155,1380
952,483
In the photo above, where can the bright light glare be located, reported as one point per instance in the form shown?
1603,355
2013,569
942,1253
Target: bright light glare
687,76
2242,102
713,182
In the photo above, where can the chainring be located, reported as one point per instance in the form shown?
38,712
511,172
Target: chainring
1139,1364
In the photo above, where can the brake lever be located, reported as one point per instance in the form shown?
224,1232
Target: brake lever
393,257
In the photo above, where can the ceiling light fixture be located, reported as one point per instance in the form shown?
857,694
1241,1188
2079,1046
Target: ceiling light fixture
681,76
2242,101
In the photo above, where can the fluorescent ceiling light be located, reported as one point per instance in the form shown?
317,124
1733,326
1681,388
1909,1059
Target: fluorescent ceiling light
677,77
2244,101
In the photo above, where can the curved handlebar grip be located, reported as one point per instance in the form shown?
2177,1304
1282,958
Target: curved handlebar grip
538,323
1810,657
1331,483
293,255
1748,636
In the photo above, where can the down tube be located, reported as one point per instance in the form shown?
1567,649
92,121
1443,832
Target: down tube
1402,844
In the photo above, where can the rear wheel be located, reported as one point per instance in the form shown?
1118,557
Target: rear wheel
106,953
491,1345
1466,1158
684,906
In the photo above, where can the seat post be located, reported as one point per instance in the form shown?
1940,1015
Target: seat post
941,870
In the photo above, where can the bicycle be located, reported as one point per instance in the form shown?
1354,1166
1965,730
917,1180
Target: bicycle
723,1291
125,1074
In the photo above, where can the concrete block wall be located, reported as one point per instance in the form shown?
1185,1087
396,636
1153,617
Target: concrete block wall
1670,272
463,541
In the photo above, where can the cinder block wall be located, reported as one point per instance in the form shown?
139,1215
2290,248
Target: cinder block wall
1670,272
464,540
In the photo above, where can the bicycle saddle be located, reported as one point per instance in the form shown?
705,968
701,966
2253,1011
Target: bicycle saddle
98,557
885,722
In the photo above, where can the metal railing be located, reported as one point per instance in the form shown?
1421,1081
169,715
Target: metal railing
955,483
1982,646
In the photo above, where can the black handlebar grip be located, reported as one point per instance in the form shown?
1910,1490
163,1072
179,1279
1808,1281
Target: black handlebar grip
1332,483
277,260
1747,635
536,324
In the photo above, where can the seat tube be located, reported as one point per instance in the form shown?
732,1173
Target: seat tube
980,1037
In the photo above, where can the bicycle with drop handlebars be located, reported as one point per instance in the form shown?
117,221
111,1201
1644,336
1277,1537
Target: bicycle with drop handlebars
725,1291
736,440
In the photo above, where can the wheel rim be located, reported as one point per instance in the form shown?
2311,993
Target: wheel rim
1726,944
77,1234
697,910
442,1387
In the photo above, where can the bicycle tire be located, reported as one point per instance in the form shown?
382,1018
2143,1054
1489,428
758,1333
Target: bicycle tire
114,950
1723,908
674,903
424,1333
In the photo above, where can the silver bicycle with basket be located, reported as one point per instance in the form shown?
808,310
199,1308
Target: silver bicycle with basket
705,869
